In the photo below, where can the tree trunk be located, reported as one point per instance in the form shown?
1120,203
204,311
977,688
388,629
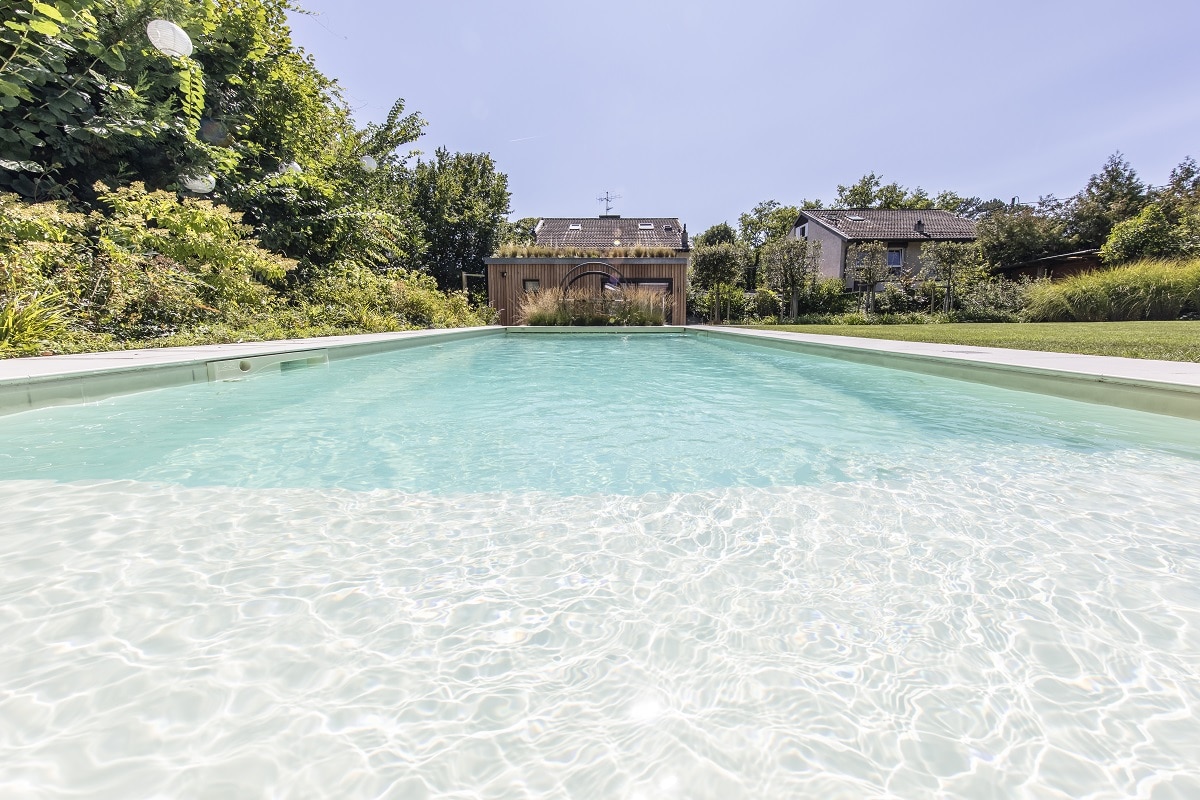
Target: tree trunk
795,303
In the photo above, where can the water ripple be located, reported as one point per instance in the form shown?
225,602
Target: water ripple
993,637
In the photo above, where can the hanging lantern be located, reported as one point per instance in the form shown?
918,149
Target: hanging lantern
199,184
169,38
290,166
369,164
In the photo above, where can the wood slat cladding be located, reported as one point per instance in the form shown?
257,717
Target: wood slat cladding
506,278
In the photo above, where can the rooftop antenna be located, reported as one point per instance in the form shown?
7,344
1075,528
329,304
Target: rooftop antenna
607,198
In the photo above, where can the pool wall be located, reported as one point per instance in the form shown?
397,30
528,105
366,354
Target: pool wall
1158,387
30,383
1161,387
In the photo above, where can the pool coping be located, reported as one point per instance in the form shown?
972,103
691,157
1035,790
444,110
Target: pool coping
1161,387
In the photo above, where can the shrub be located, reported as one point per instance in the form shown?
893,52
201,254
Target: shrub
352,295
1148,235
1144,290
993,300
29,318
629,305
725,302
829,297
159,269
765,303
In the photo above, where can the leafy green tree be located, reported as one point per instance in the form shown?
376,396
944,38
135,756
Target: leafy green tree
87,98
866,263
718,268
1180,198
1112,195
861,194
1148,235
958,265
334,209
792,266
969,207
1019,234
767,221
721,233
871,192
519,232
462,202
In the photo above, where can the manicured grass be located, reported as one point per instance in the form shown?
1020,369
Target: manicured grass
1168,341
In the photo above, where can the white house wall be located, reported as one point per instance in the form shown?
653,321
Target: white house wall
833,249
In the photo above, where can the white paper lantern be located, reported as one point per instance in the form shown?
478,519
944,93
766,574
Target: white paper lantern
199,184
169,38
368,163
290,166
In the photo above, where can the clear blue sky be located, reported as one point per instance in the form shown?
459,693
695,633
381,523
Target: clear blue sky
700,109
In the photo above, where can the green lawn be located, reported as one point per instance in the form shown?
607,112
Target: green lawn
1169,341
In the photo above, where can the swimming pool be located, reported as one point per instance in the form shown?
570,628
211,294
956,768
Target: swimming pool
598,566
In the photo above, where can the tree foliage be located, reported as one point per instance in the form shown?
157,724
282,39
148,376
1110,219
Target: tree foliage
1149,235
959,265
769,220
719,264
791,268
93,115
721,233
1019,234
866,263
462,202
1112,195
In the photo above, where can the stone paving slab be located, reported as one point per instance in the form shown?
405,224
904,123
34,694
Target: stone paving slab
43,367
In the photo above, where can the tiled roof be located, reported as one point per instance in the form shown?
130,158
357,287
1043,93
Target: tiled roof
893,224
610,231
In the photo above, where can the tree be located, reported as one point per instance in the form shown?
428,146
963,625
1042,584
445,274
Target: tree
870,192
866,262
716,265
858,195
1148,235
461,201
86,99
1019,234
954,263
721,233
792,266
519,232
1180,198
766,221
1112,195
969,207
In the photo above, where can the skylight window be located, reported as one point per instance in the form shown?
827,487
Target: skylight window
855,218
574,226
645,226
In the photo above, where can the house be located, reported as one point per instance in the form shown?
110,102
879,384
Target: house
591,253
904,231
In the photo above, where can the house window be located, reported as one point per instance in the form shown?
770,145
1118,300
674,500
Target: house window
802,232
895,256
531,284
645,226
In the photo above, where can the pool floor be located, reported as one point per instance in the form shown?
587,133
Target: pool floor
956,613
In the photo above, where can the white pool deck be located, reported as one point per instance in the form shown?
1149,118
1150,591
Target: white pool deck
1165,387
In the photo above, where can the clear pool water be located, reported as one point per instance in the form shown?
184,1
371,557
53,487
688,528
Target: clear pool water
595,566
